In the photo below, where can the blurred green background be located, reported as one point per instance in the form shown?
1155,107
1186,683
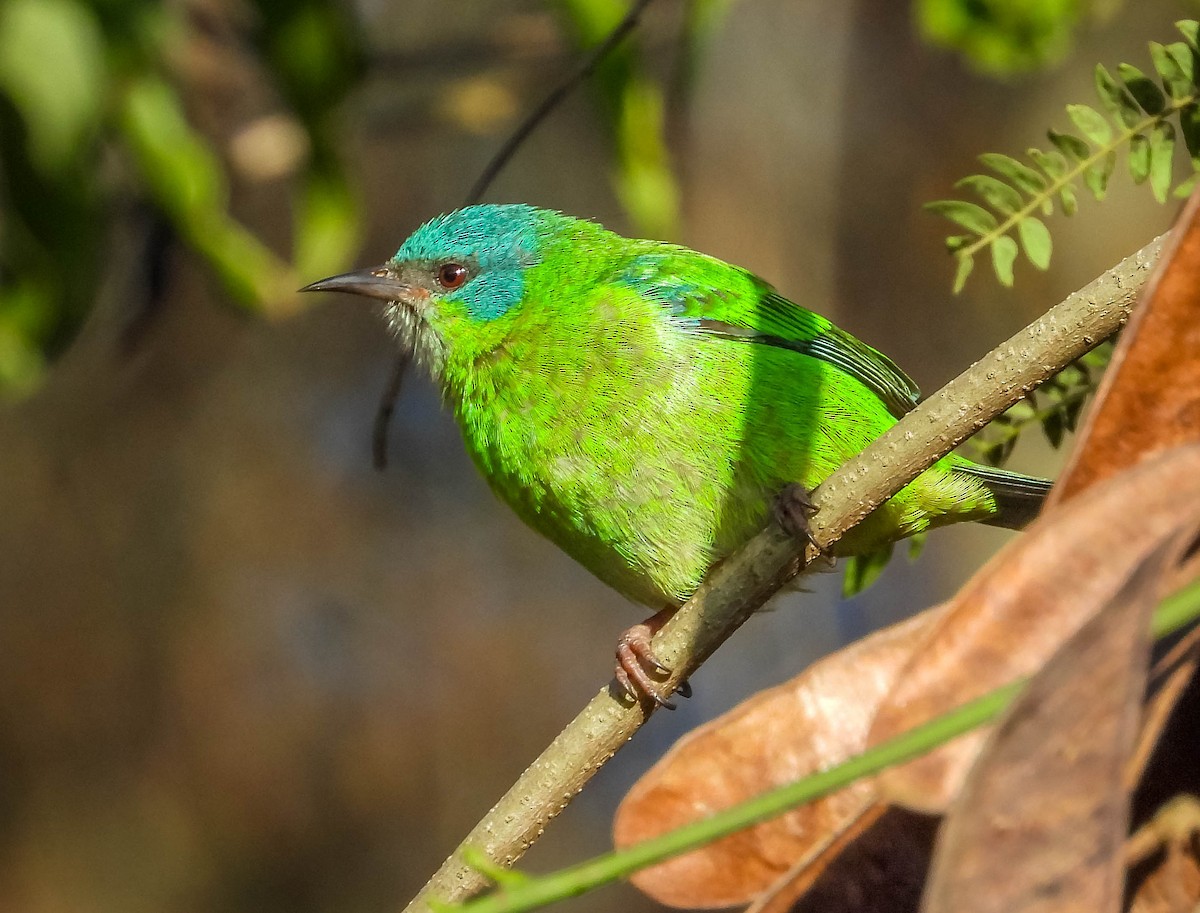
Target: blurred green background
239,668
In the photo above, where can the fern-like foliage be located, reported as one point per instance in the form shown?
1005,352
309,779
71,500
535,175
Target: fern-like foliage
1138,116
1055,407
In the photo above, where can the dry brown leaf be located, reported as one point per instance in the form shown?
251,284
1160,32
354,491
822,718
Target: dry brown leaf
1021,607
777,736
1040,824
1149,400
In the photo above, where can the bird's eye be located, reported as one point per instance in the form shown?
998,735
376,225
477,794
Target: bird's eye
451,275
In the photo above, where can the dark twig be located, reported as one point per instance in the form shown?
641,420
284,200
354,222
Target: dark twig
387,405
387,402
585,69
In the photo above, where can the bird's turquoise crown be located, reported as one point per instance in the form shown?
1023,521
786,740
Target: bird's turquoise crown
496,242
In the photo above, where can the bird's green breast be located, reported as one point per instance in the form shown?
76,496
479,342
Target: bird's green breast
648,452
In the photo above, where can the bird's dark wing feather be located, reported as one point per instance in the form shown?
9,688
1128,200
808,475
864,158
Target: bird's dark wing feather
710,296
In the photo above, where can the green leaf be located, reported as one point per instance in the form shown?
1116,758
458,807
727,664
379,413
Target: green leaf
1052,163
52,67
1091,123
1139,158
1162,149
1184,57
999,195
916,545
1096,175
1187,186
1143,90
1118,101
1054,427
962,272
1177,83
1069,145
1066,194
1035,238
1189,28
1189,123
968,215
1004,254
1020,174
863,570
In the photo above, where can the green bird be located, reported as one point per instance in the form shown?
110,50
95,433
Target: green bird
643,405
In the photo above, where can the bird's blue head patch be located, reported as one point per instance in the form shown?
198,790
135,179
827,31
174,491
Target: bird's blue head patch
496,242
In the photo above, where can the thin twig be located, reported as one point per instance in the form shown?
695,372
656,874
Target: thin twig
585,69
387,401
741,584
387,405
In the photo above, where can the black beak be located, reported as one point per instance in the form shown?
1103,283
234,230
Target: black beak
373,283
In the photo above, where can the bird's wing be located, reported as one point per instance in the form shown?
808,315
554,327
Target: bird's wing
710,296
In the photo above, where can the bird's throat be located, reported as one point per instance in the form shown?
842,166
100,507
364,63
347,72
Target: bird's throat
415,335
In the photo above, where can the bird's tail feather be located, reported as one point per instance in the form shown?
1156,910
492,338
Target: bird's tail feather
1018,497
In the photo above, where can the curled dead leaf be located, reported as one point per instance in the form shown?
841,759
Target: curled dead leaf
1040,824
1024,604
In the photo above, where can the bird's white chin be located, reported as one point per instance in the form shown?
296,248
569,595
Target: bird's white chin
415,335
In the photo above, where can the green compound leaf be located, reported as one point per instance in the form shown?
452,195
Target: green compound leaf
1162,149
1035,238
1143,90
968,215
1004,254
1091,123
997,194
1134,112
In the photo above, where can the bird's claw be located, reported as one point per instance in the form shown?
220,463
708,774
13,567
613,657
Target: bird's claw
635,656
792,509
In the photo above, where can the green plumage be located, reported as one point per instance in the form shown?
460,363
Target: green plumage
641,404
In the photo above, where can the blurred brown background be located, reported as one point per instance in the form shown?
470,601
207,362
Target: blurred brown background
242,670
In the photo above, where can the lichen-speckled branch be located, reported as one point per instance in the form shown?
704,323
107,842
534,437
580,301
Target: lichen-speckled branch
743,583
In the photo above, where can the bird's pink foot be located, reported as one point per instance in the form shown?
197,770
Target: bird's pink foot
792,510
635,657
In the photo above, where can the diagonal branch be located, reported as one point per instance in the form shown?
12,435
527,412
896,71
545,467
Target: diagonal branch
744,582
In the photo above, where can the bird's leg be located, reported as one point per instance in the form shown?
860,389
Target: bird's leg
634,655
792,509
